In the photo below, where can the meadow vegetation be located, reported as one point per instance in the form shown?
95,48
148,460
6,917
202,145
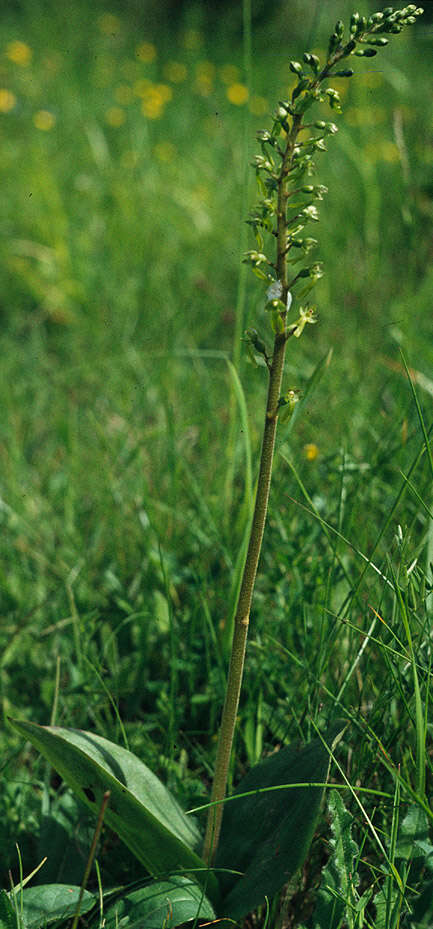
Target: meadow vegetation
128,442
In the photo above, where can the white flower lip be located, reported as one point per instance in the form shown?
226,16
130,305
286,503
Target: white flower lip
275,291
289,300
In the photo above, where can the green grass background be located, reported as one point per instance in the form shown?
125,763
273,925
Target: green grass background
122,495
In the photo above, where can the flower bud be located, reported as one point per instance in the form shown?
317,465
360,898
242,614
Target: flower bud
339,28
264,136
333,98
378,40
366,52
312,61
296,67
333,43
277,322
255,340
286,404
375,18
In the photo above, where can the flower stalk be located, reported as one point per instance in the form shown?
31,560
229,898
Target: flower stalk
286,206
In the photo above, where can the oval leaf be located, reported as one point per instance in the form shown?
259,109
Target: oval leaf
49,902
142,812
267,835
163,903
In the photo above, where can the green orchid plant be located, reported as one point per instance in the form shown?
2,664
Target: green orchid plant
250,852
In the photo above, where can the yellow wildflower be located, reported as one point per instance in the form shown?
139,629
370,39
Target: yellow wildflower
311,451
154,100
7,100
19,52
44,120
164,91
115,117
237,94
146,52
109,24
165,151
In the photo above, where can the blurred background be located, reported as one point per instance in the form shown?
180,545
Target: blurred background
126,133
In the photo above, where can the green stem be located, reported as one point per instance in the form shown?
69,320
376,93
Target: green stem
242,617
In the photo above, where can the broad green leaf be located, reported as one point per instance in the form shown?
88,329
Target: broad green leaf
163,903
49,902
7,913
141,810
413,838
267,835
58,839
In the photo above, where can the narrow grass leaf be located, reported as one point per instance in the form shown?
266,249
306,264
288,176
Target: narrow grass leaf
307,392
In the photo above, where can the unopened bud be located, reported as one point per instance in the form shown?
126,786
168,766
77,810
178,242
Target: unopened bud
296,67
367,52
375,18
333,43
312,61
378,40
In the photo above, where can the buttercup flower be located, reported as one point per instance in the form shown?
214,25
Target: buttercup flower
237,94
7,100
19,52
44,120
